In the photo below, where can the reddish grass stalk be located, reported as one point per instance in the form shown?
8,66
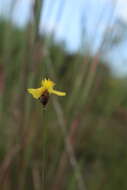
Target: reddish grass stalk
63,164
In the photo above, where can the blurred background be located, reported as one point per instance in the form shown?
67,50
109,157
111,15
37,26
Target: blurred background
78,142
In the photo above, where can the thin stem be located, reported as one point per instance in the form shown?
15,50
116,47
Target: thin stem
44,172
69,147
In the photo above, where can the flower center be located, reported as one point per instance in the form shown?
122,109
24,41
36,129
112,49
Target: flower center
44,98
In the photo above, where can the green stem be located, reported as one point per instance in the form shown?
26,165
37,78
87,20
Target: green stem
44,172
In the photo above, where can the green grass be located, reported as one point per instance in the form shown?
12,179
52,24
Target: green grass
79,140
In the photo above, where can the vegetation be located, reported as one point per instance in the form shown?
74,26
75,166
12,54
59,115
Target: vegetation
77,141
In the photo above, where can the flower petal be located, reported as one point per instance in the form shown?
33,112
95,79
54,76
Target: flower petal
47,83
58,93
36,92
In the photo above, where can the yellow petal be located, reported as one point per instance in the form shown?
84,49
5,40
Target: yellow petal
58,93
36,92
47,83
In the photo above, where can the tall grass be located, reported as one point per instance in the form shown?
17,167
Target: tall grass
78,141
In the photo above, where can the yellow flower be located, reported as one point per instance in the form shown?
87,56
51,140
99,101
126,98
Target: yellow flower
46,88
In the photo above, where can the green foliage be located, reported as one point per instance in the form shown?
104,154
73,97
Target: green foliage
94,115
